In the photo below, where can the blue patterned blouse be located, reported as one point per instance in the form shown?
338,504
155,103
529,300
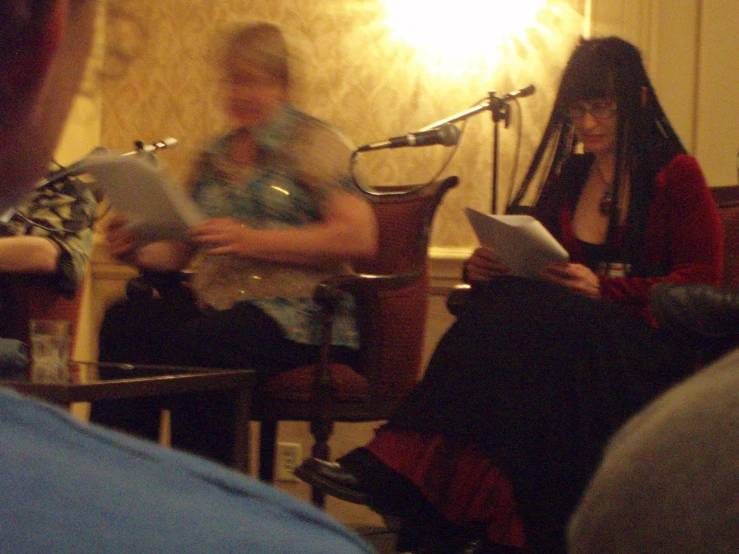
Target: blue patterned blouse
301,161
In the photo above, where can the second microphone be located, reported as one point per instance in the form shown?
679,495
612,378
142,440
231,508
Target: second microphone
446,134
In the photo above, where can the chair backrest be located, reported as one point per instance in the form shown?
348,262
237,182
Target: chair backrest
727,199
392,350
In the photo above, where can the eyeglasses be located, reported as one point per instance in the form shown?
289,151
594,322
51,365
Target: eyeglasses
599,110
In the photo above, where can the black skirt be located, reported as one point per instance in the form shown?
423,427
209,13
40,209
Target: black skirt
539,378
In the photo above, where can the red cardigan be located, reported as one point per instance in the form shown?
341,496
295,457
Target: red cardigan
684,234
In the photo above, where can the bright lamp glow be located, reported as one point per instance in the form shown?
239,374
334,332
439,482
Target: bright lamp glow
464,35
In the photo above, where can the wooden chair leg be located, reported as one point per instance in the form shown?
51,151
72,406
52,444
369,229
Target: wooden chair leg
267,444
321,431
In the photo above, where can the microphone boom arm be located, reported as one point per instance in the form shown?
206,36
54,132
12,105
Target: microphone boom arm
494,103
457,117
499,108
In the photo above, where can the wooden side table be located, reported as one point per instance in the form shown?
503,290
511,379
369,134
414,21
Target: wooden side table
171,381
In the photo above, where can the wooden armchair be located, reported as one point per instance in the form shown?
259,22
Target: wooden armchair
392,293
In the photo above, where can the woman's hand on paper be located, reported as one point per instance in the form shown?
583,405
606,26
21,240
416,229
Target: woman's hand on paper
484,265
575,277
225,235
122,241
124,244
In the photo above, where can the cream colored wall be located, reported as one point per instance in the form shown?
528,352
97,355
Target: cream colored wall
717,109
689,50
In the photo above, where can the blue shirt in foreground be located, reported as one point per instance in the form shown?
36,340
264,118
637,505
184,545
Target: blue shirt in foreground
68,486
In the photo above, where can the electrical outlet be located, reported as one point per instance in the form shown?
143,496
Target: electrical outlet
289,455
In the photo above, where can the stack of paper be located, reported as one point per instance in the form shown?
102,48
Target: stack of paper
521,241
156,207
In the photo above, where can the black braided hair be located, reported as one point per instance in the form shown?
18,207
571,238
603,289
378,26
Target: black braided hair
608,67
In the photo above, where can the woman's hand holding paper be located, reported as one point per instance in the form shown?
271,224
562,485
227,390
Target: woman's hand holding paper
122,241
484,265
576,277
226,235
126,245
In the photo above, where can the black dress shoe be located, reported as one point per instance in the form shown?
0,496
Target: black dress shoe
332,479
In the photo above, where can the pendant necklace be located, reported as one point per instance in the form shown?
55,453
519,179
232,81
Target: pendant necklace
606,201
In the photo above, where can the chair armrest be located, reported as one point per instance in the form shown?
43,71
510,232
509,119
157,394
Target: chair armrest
366,290
362,286
458,299
330,291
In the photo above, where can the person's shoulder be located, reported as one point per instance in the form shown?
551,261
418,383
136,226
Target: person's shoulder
704,400
682,162
669,474
214,148
325,131
682,177
323,152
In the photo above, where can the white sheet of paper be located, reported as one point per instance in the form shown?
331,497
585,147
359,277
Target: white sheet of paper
157,208
521,241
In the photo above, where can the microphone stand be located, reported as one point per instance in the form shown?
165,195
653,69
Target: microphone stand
499,108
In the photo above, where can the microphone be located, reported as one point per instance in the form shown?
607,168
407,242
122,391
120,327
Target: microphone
142,148
447,134
522,93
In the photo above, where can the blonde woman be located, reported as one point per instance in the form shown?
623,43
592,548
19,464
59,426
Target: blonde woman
283,215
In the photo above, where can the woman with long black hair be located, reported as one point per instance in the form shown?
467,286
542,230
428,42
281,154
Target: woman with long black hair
498,441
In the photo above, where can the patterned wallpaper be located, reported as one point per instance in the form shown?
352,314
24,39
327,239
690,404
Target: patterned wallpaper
353,72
